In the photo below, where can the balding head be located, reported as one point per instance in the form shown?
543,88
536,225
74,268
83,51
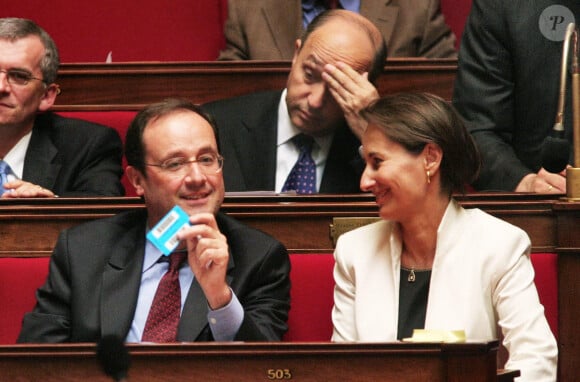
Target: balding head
350,19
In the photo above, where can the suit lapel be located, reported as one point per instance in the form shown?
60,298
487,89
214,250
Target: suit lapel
121,282
383,14
194,315
284,23
38,161
343,165
256,148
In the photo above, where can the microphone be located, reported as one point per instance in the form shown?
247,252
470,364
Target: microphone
113,357
556,148
576,103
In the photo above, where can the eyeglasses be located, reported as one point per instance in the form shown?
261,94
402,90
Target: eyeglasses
19,77
208,164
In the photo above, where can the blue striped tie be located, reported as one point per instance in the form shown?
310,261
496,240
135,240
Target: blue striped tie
5,170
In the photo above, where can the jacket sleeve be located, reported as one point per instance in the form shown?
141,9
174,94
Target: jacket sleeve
527,335
484,95
343,315
267,299
50,321
438,39
100,169
236,41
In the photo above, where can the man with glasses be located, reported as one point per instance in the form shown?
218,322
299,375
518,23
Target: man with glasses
105,275
41,153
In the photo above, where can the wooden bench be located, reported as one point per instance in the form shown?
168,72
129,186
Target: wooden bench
28,228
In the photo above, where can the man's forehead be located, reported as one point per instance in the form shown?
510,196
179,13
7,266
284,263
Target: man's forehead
180,124
317,62
339,41
29,50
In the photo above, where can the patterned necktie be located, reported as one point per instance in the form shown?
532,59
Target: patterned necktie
302,178
5,170
163,319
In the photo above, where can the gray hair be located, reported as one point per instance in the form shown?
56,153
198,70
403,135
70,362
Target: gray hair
13,29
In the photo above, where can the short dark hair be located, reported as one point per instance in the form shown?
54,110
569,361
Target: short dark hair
377,39
12,28
415,119
134,146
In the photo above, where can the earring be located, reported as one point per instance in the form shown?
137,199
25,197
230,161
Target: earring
428,177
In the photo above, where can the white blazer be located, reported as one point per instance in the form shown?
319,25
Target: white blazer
482,277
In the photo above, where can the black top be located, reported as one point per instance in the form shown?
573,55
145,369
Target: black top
412,301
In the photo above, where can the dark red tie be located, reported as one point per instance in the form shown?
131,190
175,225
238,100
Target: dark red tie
163,319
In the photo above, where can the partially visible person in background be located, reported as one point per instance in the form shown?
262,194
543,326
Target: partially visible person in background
267,29
41,153
429,263
312,127
507,89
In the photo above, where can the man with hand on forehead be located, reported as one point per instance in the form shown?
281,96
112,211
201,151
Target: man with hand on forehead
305,138
224,281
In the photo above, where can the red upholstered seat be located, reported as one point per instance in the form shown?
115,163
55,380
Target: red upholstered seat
311,294
313,285
133,30
19,279
456,13
546,268
118,120
311,297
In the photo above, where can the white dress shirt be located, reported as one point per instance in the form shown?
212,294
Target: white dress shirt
16,155
287,153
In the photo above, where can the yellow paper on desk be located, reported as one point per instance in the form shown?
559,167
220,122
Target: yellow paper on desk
425,335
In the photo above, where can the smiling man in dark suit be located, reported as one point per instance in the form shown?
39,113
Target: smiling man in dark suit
335,62
43,154
104,275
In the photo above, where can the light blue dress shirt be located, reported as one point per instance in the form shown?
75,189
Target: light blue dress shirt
224,322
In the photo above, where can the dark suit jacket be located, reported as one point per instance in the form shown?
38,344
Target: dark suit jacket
72,157
247,138
507,86
95,273
268,29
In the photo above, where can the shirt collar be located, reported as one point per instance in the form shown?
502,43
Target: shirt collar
287,131
152,255
15,157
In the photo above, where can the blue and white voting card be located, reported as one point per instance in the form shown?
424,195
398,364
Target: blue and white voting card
164,234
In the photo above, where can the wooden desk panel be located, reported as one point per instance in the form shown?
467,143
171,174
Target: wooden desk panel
130,86
303,224
475,362
29,227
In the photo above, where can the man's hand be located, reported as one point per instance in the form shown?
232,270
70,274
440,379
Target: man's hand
543,182
352,91
21,189
208,258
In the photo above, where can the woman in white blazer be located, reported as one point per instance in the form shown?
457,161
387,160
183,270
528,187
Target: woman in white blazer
429,263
